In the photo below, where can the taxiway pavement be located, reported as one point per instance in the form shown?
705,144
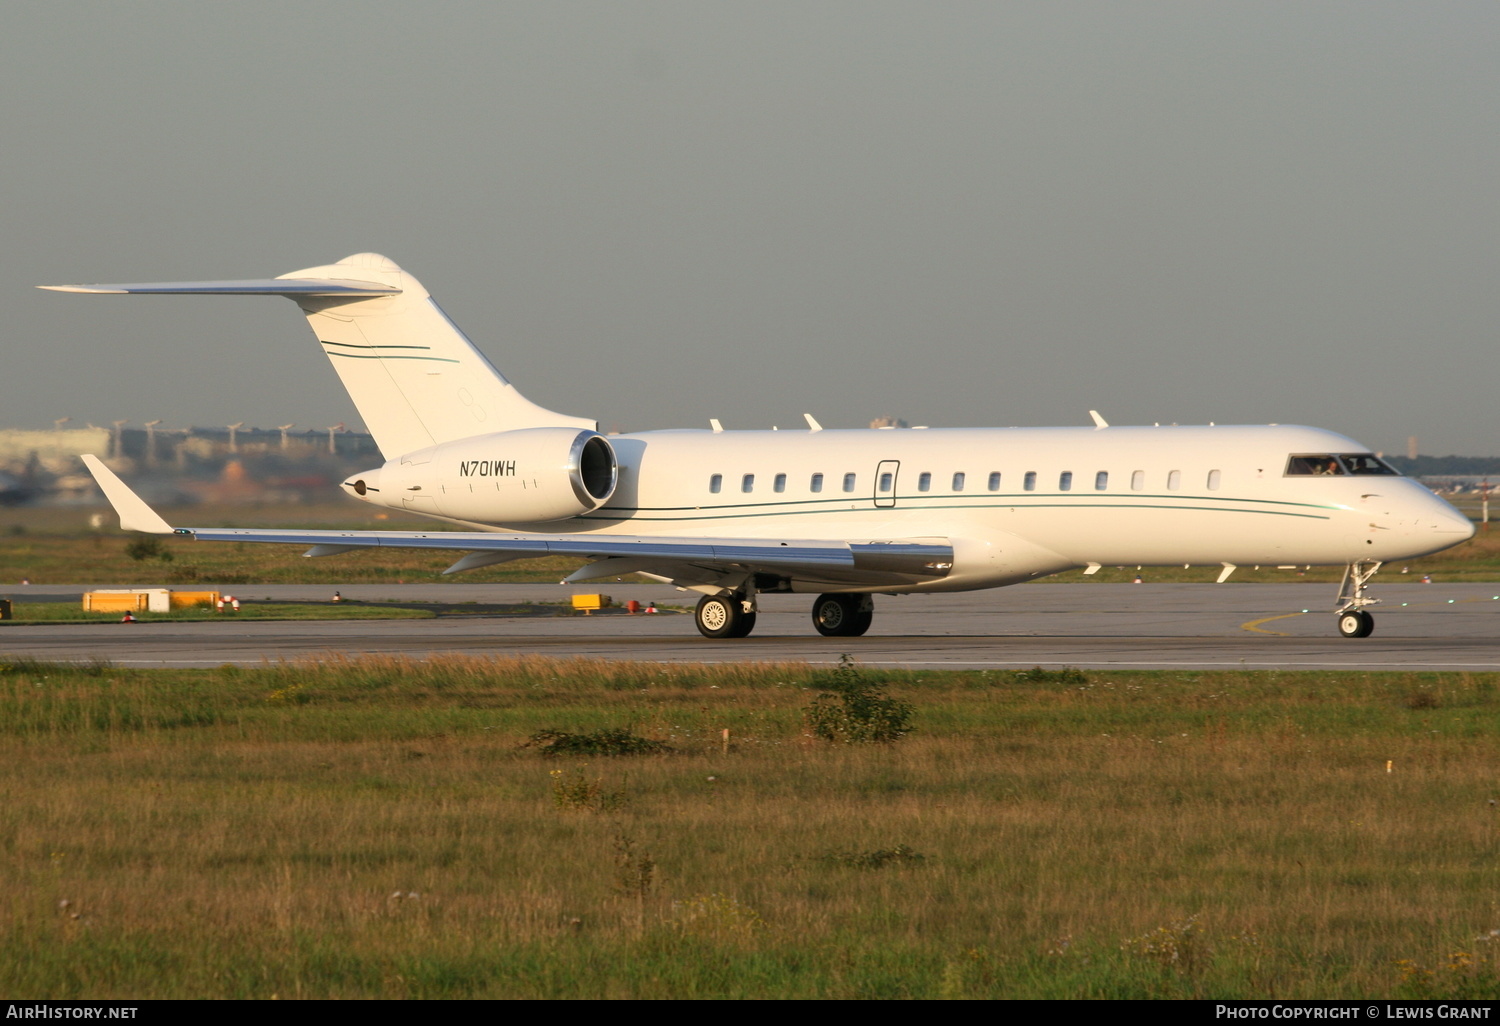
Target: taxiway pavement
1124,626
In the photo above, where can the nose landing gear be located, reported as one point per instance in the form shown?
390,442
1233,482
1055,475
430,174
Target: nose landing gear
1353,620
1356,624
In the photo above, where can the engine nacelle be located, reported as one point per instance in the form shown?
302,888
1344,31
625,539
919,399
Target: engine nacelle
510,477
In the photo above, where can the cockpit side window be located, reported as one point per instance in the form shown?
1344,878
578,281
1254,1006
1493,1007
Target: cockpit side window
1338,465
1322,465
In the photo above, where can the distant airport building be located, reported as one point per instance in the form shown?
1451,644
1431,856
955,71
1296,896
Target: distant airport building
176,465
21,446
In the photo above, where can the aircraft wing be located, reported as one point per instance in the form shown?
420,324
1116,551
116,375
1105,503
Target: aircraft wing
687,561
289,287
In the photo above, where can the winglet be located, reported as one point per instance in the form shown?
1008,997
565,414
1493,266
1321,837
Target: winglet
135,515
1099,422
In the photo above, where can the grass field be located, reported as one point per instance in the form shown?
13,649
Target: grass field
60,547
381,829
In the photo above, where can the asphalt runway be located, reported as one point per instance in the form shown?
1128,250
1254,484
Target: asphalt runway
1125,626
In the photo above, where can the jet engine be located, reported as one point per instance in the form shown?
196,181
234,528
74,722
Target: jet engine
511,477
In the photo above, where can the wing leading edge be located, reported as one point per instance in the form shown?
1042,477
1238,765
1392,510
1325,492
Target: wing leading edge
289,287
685,560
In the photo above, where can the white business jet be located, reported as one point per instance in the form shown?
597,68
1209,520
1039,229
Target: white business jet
844,515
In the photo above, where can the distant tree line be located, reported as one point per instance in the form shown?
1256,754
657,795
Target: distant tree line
1437,466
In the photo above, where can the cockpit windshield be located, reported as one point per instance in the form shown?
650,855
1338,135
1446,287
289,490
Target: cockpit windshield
1338,465
1367,463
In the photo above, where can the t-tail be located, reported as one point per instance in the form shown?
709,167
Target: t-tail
416,378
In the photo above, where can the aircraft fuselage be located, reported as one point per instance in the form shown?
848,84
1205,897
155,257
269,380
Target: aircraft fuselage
1015,503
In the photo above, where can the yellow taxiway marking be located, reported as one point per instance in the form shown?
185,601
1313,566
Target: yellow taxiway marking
1253,624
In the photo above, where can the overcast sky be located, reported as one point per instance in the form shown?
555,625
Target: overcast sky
653,213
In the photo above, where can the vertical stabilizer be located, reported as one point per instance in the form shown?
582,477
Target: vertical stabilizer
416,378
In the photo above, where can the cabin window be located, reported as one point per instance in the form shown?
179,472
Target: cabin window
995,481
958,481
848,482
924,482
780,483
816,484
1101,481
1030,485
716,483
886,480
1213,480
1174,480
747,483
1065,481
1137,480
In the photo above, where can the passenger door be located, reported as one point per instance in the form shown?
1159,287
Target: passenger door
885,483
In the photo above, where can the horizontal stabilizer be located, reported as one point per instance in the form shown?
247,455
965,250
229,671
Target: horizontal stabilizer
250,287
417,380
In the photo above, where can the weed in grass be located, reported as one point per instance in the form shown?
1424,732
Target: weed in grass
578,792
148,547
1178,946
1463,975
618,741
635,875
636,869
1422,698
1037,675
853,710
968,976
900,855
1460,977
714,916
293,694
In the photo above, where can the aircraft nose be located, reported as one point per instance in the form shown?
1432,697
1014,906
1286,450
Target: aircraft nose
1451,521
1439,517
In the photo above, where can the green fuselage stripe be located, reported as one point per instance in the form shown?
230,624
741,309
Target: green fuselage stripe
356,356
995,500
714,513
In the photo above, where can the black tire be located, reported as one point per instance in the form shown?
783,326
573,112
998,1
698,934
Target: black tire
843,616
722,616
1356,624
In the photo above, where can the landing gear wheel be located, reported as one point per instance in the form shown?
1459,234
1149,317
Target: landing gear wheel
723,616
1356,624
843,616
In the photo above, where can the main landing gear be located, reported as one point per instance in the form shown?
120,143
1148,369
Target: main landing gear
732,615
725,616
843,616
1353,620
